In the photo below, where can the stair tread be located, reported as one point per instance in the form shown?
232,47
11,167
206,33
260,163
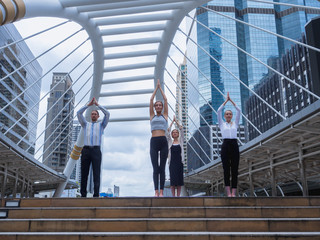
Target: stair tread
164,233
191,207
161,219
155,218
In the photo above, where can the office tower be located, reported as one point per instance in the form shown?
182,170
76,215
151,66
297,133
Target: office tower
182,105
116,191
313,39
208,74
212,78
21,84
281,94
291,21
260,44
58,145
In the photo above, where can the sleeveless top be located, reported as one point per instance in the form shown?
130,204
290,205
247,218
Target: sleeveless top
159,123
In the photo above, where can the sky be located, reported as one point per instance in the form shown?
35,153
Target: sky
126,162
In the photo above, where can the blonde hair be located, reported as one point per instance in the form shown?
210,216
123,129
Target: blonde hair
175,130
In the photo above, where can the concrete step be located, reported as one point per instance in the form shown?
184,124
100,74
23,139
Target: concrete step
202,218
162,224
162,236
163,212
168,202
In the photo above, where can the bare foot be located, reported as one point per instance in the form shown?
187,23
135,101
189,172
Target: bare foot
161,193
156,194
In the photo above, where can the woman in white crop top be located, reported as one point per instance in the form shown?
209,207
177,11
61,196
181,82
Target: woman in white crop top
158,143
229,150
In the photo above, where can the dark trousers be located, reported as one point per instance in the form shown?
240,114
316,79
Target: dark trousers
230,161
90,155
158,144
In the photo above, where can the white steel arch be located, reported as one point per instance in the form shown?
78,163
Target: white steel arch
93,16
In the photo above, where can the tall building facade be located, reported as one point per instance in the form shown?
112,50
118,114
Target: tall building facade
23,112
59,122
182,105
208,75
291,21
213,79
281,94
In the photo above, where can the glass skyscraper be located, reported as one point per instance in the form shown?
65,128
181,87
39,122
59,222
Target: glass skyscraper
291,21
20,115
59,122
214,79
208,75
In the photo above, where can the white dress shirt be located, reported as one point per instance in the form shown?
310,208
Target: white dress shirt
93,131
228,130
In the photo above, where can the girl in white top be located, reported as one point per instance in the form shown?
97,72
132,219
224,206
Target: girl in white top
175,157
229,150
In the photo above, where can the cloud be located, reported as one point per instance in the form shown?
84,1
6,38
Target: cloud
127,164
130,183
127,153
126,161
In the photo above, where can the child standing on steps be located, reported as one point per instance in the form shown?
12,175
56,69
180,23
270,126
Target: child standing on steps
175,157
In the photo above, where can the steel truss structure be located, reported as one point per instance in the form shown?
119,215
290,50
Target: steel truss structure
290,150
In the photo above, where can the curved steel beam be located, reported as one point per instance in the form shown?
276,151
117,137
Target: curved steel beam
167,38
53,8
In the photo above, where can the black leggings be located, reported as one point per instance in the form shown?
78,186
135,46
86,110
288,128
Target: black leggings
158,144
230,161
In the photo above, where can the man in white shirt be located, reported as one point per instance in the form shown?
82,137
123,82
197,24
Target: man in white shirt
91,152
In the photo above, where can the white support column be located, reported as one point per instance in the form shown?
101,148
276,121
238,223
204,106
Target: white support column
74,157
272,176
14,193
250,178
23,187
4,183
302,169
281,191
31,193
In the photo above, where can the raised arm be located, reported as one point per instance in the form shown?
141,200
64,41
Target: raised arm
106,113
219,111
80,116
165,101
181,133
173,120
106,117
237,115
237,109
151,111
